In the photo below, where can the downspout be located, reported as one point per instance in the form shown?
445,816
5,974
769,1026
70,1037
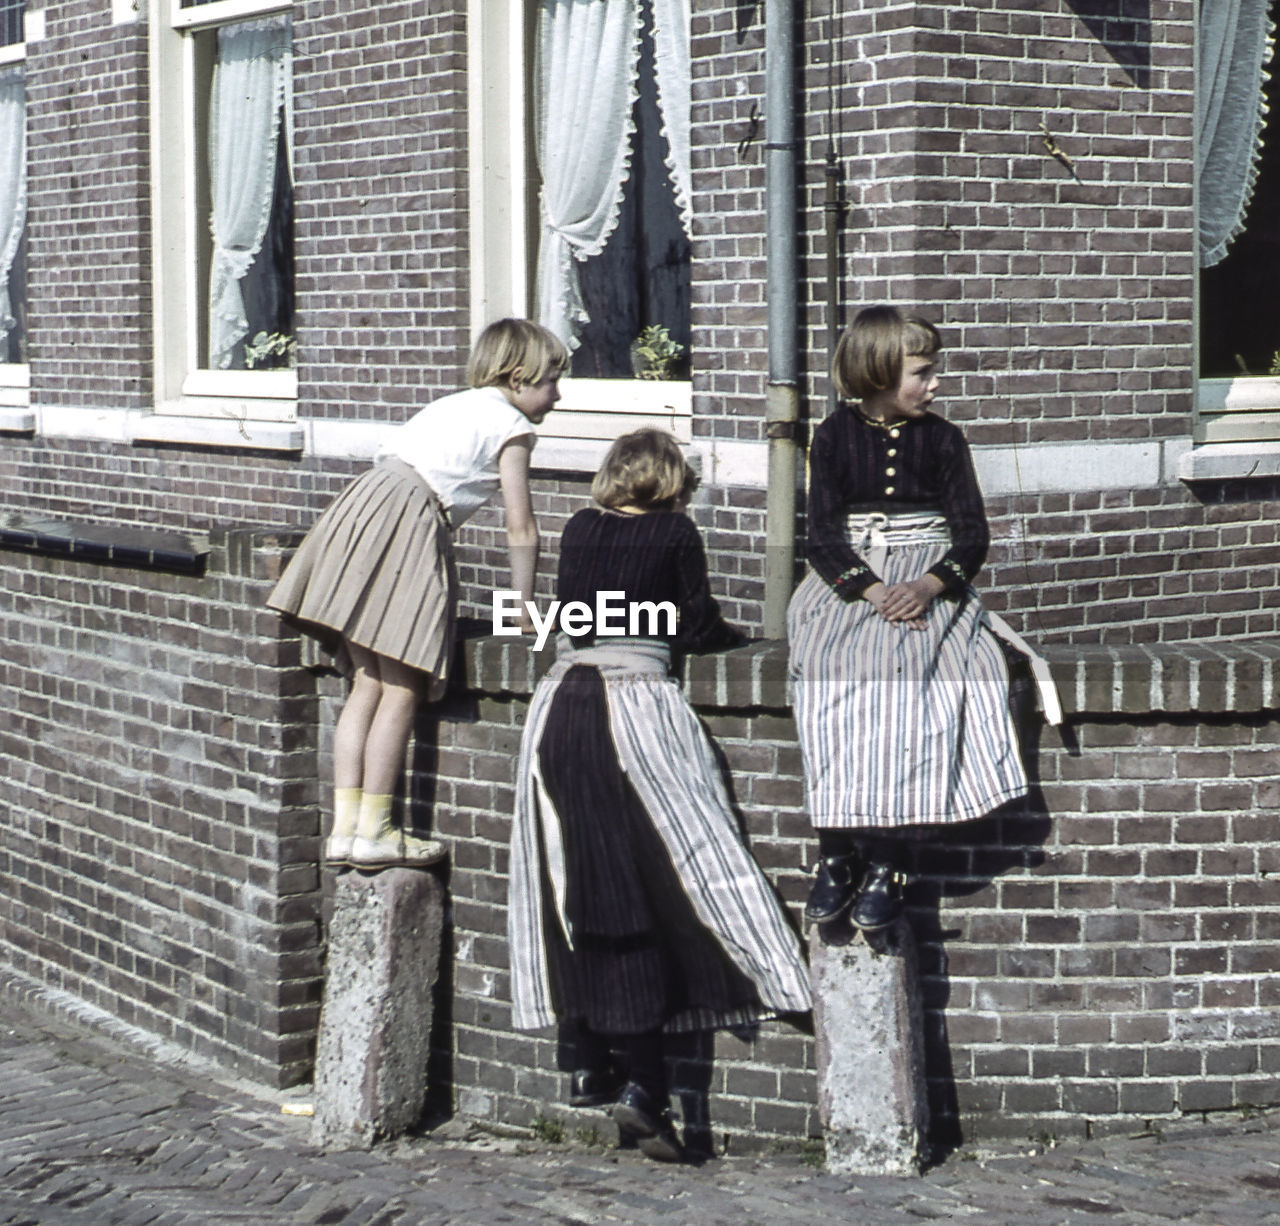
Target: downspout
782,398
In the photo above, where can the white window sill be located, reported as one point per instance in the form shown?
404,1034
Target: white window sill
1244,410
15,389
592,410
217,432
17,421
1230,461
222,11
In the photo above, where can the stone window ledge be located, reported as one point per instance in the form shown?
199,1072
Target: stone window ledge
141,548
1230,461
1170,678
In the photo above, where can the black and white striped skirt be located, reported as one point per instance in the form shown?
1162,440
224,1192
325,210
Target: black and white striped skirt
899,726
633,902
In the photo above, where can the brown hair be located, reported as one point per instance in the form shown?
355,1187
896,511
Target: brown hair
515,348
869,355
646,469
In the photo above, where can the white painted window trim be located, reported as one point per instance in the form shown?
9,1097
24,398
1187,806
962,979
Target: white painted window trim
230,398
15,377
502,215
220,12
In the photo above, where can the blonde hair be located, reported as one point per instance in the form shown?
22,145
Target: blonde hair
645,469
869,355
515,349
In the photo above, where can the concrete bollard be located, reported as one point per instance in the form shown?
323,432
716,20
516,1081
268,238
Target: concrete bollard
868,1022
375,1019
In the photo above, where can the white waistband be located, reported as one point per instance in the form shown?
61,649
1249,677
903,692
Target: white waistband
626,655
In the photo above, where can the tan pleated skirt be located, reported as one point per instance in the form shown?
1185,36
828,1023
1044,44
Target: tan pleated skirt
377,570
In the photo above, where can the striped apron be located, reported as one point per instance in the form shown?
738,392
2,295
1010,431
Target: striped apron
899,726
669,763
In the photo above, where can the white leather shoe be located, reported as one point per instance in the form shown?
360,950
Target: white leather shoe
337,849
397,850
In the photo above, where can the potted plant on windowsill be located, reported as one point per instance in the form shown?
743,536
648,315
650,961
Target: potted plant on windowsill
654,354
270,351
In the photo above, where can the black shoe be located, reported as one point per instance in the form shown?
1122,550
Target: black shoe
639,1118
833,889
879,901
593,1087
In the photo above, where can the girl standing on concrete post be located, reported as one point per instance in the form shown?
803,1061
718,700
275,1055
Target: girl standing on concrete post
899,687
635,909
375,574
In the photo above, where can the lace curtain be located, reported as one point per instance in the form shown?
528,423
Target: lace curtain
13,183
1234,48
585,82
671,22
250,87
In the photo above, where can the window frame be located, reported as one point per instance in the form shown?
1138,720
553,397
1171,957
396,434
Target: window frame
179,67
503,212
1241,409
15,377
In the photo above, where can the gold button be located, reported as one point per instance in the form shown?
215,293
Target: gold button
893,434
893,451
888,489
890,472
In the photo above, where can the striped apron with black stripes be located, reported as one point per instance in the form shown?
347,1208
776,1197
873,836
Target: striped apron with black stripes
668,761
899,726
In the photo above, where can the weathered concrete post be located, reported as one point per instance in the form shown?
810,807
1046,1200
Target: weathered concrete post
375,1019
870,1049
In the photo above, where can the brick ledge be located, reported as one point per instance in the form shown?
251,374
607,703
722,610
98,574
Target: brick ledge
1170,678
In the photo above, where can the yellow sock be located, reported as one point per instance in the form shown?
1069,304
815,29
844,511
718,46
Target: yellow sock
375,818
346,811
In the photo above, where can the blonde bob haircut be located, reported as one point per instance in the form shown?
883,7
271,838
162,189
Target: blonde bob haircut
515,351
644,469
870,352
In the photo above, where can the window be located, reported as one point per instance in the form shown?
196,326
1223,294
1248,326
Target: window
1238,206
13,216
223,210
11,12
14,378
581,197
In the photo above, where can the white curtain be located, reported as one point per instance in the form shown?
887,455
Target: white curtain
249,89
671,27
1234,48
13,183
585,79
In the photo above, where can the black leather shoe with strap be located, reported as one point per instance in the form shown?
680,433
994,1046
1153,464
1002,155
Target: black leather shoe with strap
642,1120
834,885
879,901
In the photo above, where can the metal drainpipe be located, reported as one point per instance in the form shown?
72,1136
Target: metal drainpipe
782,399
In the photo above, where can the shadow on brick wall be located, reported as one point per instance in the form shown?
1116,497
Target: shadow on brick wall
965,861
1126,33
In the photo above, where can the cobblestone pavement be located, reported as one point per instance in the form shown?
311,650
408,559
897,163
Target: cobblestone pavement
94,1132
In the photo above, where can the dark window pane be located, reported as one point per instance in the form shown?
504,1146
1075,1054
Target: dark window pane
268,285
11,21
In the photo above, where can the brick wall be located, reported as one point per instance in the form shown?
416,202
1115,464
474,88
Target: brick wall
159,852
381,227
1066,297
1101,954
